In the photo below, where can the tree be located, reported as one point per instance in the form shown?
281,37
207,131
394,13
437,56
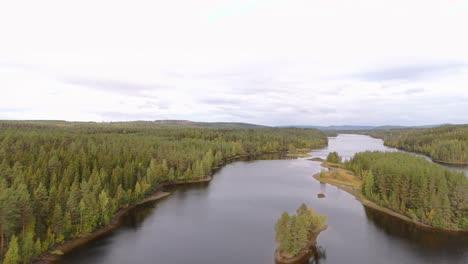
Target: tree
303,229
302,209
12,254
293,232
23,204
104,208
37,247
368,184
282,228
333,157
27,250
8,214
57,223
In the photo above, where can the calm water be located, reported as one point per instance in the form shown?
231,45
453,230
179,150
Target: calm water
230,220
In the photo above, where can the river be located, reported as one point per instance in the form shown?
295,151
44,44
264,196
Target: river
231,219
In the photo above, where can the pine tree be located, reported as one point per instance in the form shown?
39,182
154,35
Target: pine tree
303,229
12,255
27,250
57,223
104,208
369,184
282,228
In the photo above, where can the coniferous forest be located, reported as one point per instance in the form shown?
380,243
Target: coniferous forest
61,180
445,143
293,232
413,186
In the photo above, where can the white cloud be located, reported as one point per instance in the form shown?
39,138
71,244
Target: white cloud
270,62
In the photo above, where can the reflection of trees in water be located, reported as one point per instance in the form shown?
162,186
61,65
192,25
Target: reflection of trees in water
426,239
135,217
266,156
319,256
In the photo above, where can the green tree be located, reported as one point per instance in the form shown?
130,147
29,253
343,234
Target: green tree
368,184
37,247
57,223
12,255
27,250
293,232
282,229
333,157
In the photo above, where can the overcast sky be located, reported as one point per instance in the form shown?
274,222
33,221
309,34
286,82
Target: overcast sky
269,62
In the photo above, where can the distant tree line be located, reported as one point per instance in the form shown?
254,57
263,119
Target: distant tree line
445,143
293,232
413,186
61,180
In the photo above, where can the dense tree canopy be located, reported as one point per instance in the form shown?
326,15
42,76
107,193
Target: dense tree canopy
61,180
413,186
445,143
293,232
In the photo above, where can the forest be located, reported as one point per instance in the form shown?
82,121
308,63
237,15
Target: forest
61,180
447,143
293,232
413,186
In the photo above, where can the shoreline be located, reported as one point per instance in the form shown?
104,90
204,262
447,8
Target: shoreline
114,223
447,162
419,153
280,259
74,243
370,204
429,157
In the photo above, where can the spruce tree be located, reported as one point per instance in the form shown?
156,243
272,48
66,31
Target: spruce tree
12,255
27,249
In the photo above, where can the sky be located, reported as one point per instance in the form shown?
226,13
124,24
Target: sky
271,62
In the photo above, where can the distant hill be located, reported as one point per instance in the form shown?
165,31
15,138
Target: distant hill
361,128
128,124
187,123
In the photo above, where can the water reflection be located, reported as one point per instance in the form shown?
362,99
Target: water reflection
135,217
231,221
425,238
319,256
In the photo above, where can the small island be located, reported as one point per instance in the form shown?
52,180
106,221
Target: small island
296,234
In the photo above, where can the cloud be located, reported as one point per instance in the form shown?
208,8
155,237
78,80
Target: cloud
411,72
220,101
414,91
267,62
122,87
164,105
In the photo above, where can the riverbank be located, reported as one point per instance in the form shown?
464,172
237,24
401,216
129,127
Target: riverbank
351,186
72,244
428,156
305,252
419,153
67,246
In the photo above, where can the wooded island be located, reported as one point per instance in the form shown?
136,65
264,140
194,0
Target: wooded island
295,234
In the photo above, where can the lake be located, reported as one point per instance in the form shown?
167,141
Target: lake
231,220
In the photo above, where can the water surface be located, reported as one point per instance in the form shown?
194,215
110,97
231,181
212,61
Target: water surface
230,220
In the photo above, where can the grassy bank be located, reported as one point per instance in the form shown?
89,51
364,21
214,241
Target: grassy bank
347,181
